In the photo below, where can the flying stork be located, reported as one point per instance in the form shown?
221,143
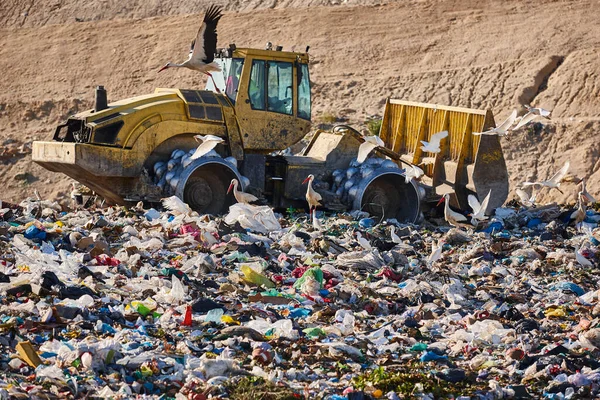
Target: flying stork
204,46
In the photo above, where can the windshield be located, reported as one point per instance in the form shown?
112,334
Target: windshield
303,92
276,78
280,87
218,76
233,78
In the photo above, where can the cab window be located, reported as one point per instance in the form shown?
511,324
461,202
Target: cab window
256,88
279,87
233,78
303,92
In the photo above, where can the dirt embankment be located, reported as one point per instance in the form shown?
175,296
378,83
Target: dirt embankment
482,54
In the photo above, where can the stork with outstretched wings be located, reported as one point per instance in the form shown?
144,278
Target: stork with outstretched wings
202,52
433,146
553,182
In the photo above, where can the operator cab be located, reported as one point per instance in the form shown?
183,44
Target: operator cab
270,91
271,84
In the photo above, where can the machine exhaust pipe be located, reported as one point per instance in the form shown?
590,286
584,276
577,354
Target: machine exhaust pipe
101,102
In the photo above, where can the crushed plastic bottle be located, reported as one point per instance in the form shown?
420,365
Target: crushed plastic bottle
214,315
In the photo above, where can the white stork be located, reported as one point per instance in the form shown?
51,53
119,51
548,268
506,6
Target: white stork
209,142
436,252
176,206
370,143
452,217
532,113
204,46
478,209
312,197
585,194
433,146
553,182
501,129
395,238
526,199
241,197
579,214
364,243
413,172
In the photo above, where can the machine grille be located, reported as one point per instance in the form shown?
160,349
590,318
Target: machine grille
74,130
197,111
203,104
107,134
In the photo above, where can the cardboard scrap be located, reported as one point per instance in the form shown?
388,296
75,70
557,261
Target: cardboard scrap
28,354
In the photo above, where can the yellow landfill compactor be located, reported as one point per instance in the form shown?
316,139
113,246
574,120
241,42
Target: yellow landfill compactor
139,148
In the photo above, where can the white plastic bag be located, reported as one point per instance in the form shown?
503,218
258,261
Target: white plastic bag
256,218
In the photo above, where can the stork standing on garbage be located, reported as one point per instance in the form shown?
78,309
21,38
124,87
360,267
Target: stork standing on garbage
578,216
312,197
241,197
452,217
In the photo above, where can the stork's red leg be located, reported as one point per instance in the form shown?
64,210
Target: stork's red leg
213,81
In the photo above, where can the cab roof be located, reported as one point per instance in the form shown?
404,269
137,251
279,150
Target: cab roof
270,54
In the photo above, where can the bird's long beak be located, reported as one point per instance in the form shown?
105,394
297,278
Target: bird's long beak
441,201
306,180
163,68
230,187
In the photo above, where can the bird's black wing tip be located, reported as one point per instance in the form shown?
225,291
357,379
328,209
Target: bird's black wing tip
213,14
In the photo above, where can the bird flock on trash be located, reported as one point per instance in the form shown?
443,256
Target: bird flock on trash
527,193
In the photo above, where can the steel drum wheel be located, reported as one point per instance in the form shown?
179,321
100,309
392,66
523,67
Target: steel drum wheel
205,190
198,194
389,196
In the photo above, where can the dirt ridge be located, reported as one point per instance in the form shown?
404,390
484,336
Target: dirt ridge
473,53
540,80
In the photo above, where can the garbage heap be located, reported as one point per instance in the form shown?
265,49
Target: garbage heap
118,302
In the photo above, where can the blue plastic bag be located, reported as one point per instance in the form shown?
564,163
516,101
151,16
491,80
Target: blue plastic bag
33,232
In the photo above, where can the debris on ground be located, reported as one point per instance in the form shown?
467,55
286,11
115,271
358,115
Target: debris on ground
120,302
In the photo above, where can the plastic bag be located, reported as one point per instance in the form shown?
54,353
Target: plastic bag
345,321
177,291
252,276
256,218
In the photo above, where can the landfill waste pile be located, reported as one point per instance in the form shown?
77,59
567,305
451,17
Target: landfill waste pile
124,302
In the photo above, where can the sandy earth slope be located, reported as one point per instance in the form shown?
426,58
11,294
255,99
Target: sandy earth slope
482,54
